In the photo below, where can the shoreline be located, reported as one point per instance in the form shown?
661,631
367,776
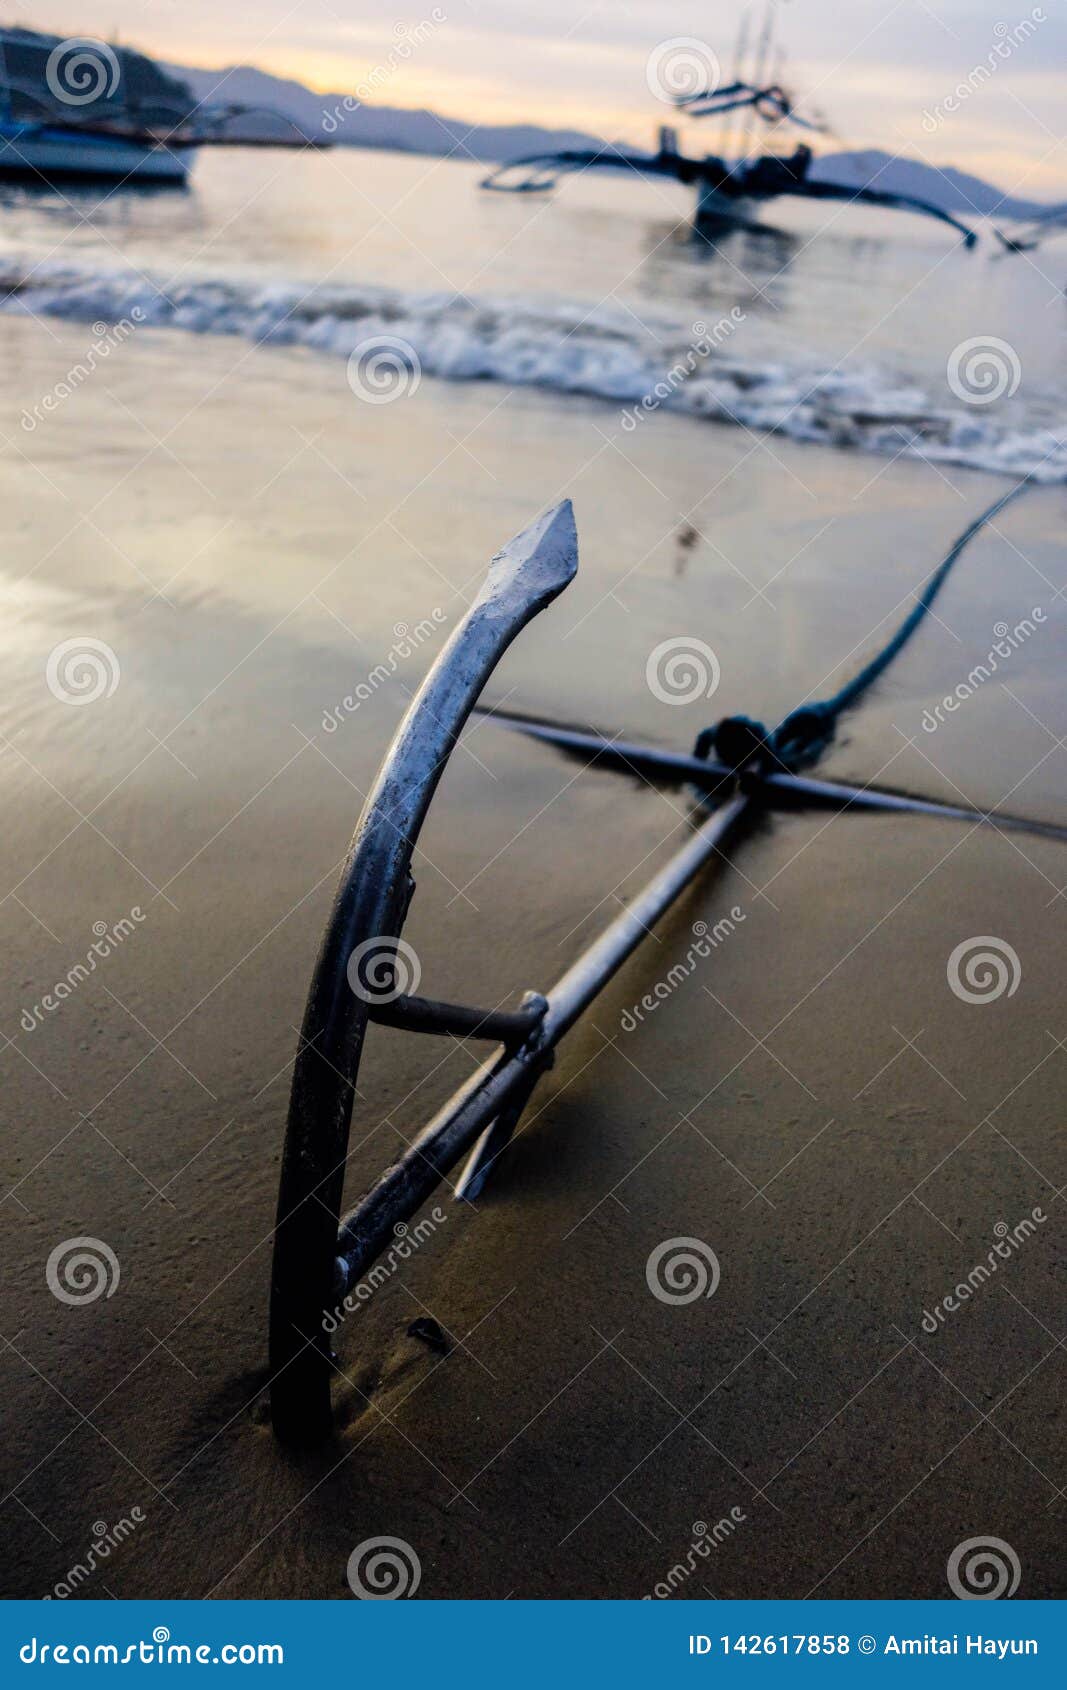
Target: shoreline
700,364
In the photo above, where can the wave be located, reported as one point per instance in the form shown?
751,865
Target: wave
604,352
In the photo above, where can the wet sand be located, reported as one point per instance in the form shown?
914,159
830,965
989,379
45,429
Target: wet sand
812,1101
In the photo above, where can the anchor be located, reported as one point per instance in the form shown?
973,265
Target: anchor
320,1254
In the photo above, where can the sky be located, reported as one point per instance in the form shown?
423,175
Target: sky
976,83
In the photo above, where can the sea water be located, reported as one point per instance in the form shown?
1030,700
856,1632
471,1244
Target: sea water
865,330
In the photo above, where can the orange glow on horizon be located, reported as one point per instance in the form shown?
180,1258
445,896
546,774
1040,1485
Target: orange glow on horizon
460,98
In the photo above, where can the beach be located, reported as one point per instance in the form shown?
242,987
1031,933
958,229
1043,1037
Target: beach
254,546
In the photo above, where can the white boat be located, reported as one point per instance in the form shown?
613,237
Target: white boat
48,152
82,110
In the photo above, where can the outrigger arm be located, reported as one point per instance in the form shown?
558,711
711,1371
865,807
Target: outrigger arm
814,190
539,172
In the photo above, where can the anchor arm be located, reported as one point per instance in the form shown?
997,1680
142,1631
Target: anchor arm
367,917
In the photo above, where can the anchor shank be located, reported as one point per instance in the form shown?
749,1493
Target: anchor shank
404,1187
594,968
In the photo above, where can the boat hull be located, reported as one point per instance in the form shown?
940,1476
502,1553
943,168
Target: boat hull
718,213
36,152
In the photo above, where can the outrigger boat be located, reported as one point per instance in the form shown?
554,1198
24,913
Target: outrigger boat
737,770
733,185
1028,234
727,193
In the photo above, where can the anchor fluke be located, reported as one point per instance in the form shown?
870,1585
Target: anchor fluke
539,562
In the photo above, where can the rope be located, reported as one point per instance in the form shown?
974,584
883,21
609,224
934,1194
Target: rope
807,731
771,103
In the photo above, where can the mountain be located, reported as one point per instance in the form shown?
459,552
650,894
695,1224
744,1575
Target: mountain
347,121
950,189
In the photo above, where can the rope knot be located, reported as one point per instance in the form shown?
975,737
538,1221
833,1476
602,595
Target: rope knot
804,735
736,741
740,741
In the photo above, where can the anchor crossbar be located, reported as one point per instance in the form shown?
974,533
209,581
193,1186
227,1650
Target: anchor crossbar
429,1015
774,787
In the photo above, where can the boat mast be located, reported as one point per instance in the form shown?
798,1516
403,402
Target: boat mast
776,78
726,137
6,107
763,52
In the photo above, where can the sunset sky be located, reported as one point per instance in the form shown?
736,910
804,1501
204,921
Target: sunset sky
874,67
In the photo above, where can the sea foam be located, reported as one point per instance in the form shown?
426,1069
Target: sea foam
603,352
